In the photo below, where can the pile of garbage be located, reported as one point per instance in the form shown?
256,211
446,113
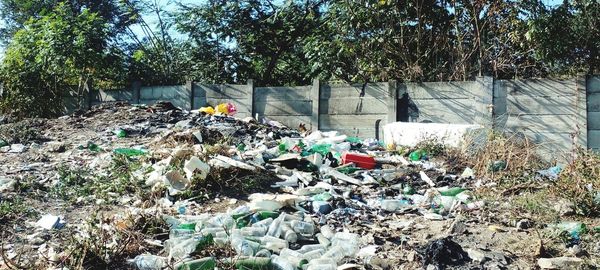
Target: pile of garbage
325,200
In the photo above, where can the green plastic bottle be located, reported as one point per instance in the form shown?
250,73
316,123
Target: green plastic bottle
453,191
417,155
3,143
408,190
322,149
187,226
204,241
130,152
353,140
207,263
253,263
120,133
267,214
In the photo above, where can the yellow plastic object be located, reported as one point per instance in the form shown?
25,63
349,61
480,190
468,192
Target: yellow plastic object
222,109
207,110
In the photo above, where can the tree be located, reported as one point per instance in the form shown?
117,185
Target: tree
567,38
51,55
262,40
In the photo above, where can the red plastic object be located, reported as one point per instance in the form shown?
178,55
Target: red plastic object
360,160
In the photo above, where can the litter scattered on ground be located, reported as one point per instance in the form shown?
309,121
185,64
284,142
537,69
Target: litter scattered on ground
202,189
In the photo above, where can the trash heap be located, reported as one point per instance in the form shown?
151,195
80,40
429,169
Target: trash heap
326,181
283,198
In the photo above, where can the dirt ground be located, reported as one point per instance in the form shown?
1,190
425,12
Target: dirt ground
110,215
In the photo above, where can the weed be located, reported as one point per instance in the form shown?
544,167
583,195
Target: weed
579,182
518,158
433,146
14,208
78,182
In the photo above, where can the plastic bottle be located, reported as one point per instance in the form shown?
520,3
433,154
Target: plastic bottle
254,231
120,133
267,214
275,227
348,241
253,263
213,231
180,233
149,262
322,149
263,253
288,233
308,248
130,152
453,191
393,205
417,155
294,257
323,241
314,254
263,223
335,253
327,231
273,243
304,228
207,263
281,263
242,246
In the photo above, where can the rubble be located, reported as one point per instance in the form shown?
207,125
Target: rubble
158,187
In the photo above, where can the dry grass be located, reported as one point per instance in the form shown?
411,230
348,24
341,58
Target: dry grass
520,156
579,182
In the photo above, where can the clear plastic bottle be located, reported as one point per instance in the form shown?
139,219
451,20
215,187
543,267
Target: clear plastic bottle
294,257
393,205
214,231
335,253
327,231
304,228
263,223
254,231
348,241
314,254
275,227
322,264
306,248
149,262
281,263
273,243
242,246
289,234
323,241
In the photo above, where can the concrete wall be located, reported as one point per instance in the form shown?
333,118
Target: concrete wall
353,109
291,106
447,102
593,112
545,110
556,113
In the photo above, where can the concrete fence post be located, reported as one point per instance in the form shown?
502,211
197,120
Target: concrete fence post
581,115
86,103
392,101
484,101
189,89
250,97
135,92
315,96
